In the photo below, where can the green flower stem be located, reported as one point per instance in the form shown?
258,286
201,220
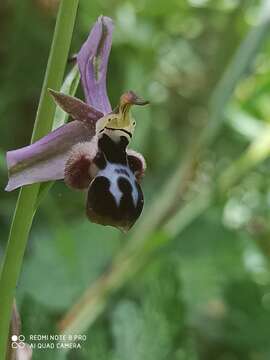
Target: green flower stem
25,208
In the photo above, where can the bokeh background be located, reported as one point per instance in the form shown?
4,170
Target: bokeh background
192,279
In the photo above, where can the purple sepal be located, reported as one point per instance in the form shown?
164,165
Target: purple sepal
45,159
93,60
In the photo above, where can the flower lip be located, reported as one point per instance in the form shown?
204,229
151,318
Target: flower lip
102,206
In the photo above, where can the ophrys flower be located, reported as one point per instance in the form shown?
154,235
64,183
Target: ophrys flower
90,153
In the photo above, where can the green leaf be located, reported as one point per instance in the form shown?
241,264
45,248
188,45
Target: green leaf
144,331
73,255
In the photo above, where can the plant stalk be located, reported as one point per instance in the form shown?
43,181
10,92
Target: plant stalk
25,208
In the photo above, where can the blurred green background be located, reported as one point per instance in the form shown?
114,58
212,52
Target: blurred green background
197,283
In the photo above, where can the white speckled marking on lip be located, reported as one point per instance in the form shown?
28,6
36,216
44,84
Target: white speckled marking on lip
111,173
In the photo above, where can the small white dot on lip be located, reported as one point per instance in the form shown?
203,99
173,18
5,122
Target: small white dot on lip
14,337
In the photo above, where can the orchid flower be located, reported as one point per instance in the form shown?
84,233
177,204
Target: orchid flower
90,153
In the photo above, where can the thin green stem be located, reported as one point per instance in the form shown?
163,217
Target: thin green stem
25,208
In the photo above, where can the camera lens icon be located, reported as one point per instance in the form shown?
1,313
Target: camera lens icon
17,341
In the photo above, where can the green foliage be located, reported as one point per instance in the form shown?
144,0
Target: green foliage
203,292
65,255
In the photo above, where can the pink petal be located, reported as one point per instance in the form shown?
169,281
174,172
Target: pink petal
93,60
76,108
45,159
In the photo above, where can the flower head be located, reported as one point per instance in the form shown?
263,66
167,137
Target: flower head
90,152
